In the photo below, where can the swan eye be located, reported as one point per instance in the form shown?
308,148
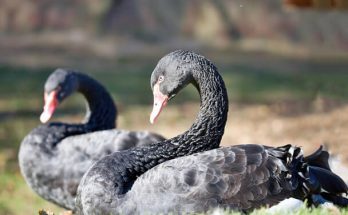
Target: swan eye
160,79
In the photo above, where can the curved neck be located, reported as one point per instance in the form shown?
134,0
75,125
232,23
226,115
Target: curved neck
101,110
204,134
208,128
211,120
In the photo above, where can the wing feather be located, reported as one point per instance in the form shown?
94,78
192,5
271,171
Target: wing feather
244,176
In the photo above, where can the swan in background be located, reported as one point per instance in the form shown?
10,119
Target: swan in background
53,157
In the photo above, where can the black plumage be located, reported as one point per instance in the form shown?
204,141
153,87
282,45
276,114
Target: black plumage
189,173
53,157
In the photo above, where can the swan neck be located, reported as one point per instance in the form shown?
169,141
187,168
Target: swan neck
123,168
212,116
101,111
206,132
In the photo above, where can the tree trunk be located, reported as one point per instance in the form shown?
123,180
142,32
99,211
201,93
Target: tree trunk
322,4
299,3
342,4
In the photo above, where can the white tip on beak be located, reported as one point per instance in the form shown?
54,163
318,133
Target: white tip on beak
159,101
51,103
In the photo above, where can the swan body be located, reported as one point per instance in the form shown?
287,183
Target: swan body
189,173
53,157
235,177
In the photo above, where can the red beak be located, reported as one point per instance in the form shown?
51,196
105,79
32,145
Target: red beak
51,103
159,101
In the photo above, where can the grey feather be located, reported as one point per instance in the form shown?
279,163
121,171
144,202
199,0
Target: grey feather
53,157
227,177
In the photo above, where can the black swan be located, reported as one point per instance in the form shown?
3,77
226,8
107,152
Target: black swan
148,180
53,157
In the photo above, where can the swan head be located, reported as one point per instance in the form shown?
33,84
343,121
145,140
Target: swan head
172,73
59,85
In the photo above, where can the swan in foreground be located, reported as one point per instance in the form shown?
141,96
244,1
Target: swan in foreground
189,173
53,157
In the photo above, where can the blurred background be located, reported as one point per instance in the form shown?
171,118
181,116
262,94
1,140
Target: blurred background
285,64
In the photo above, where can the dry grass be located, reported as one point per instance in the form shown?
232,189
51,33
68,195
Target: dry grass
262,124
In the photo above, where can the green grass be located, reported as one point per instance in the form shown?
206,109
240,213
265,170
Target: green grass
300,211
17,198
20,87
21,91
304,211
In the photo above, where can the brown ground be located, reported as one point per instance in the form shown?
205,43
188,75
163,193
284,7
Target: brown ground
262,124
